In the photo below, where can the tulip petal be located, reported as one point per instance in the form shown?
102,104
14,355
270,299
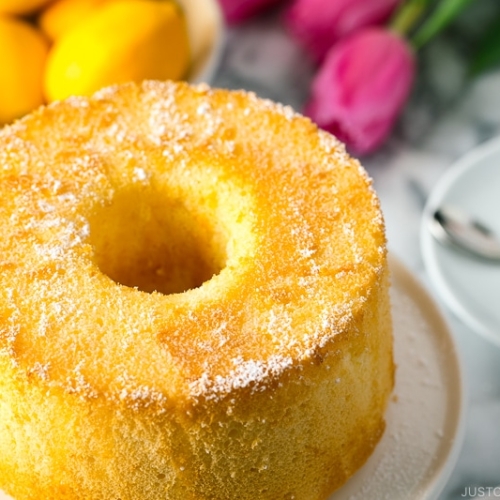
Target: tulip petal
236,11
318,24
361,88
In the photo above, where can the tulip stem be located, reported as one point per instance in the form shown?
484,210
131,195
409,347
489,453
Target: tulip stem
444,13
441,14
408,15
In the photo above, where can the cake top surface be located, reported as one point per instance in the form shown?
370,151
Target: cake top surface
162,242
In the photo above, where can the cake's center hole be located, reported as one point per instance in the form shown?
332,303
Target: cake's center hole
156,244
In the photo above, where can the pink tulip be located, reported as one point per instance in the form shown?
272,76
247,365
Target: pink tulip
236,11
361,88
318,24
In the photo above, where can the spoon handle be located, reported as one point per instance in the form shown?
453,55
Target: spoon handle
452,226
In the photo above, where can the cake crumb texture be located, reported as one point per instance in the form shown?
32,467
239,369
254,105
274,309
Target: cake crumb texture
193,301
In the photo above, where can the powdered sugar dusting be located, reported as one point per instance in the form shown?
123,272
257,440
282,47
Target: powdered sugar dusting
140,175
294,217
254,373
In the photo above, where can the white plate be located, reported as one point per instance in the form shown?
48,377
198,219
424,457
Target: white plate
424,430
470,287
207,35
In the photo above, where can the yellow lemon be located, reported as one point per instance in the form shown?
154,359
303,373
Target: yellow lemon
121,41
23,52
63,15
21,6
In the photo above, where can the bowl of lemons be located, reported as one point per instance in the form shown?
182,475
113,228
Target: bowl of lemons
53,49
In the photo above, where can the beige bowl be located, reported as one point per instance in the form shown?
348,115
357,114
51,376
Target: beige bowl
206,33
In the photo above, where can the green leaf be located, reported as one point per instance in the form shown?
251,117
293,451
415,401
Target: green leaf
443,14
487,53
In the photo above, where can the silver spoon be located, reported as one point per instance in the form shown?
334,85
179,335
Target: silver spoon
450,225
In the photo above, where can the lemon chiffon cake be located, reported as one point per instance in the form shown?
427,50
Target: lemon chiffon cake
193,301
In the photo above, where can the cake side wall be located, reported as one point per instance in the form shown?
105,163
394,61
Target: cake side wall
302,436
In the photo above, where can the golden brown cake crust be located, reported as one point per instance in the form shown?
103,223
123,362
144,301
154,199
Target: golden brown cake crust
261,365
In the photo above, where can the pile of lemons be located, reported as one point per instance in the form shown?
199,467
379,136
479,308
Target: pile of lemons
52,49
